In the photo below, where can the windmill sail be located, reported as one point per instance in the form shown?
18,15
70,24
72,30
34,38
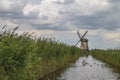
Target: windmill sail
77,42
84,34
78,34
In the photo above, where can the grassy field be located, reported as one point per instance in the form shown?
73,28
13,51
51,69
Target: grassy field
23,57
111,57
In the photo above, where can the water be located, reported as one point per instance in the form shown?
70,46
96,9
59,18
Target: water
88,68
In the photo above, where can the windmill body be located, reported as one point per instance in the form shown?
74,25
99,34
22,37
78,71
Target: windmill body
84,42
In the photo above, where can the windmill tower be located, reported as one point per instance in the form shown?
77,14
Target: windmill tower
84,42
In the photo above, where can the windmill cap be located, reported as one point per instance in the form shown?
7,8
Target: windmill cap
84,40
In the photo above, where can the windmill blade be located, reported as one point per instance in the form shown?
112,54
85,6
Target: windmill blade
84,34
78,34
77,42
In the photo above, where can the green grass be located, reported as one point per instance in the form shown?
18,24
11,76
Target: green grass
23,57
111,57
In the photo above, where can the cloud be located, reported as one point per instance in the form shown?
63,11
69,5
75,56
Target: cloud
56,11
55,14
112,35
5,4
47,10
12,5
114,1
63,14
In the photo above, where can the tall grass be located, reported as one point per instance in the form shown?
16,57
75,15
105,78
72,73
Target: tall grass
23,57
111,57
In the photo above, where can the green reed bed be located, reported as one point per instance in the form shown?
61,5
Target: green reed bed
111,57
23,57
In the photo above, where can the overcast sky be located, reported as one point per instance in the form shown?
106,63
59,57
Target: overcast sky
61,19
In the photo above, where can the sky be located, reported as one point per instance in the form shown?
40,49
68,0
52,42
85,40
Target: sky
62,18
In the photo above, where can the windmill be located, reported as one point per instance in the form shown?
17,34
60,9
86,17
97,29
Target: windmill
83,41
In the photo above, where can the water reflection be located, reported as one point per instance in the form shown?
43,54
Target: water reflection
84,62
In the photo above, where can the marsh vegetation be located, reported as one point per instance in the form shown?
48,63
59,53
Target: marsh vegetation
24,57
109,56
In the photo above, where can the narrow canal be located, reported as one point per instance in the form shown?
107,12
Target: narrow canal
88,68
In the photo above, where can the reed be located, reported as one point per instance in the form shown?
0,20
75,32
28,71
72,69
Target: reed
23,57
